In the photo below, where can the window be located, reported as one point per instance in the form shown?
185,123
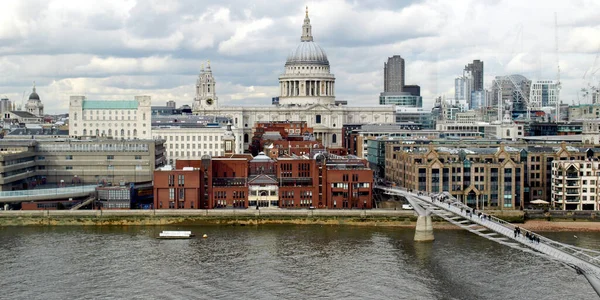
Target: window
318,119
171,193
181,194
69,157
110,157
138,157
181,179
69,168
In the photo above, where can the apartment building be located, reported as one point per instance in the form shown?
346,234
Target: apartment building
576,184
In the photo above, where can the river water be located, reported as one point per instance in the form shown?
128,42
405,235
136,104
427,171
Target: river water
277,262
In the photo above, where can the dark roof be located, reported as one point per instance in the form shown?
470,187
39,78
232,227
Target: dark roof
38,131
23,114
34,96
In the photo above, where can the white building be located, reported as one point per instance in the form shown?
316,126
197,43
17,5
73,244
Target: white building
307,93
544,93
504,130
590,133
192,142
575,184
123,119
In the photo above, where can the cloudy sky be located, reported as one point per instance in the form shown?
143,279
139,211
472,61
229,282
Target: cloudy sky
118,49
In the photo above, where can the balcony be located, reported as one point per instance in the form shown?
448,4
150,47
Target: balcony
296,181
229,181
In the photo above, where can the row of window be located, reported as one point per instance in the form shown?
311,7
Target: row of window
194,153
109,132
193,146
109,125
193,138
108,157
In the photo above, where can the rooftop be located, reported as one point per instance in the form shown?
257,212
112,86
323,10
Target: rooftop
110,104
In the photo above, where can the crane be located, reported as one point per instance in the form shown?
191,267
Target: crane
558,85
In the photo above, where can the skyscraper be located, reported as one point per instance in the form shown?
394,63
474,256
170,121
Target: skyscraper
393,71
476,70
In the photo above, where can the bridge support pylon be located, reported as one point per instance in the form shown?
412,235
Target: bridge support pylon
424,230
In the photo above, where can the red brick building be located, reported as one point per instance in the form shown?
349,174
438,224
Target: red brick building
267,132
179,188
317,179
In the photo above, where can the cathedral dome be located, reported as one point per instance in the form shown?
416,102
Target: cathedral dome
34,96
307,52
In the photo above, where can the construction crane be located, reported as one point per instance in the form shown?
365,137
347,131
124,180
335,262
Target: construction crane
499,81
558,85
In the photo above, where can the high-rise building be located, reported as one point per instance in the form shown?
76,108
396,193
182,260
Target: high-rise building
463,86
393,71
476,70
478,99
544,93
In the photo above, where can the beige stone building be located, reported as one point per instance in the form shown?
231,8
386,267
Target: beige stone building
480,177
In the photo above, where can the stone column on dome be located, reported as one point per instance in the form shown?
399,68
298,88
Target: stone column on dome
319,88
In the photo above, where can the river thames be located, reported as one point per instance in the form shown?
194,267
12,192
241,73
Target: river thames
277,262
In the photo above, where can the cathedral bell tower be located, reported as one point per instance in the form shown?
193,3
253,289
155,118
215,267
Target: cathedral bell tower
206,96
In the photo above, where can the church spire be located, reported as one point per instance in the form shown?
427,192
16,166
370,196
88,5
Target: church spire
306,29
34,86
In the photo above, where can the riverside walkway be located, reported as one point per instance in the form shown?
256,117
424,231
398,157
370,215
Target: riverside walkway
445,206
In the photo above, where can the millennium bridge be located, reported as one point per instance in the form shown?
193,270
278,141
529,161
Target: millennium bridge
443,205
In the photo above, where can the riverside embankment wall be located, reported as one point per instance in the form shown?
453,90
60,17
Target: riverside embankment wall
225,216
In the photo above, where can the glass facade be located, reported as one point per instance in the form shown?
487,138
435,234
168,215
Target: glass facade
401,99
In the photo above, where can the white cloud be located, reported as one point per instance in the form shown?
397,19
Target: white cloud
118,49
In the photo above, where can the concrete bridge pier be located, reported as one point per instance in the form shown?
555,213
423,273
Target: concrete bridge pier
424,230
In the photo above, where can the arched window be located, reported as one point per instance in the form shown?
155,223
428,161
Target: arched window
507,132
84,132
135,132
110,132
122,132
245,138
334,139
97,132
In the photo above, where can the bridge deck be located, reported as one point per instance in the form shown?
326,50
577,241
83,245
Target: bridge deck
445,206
